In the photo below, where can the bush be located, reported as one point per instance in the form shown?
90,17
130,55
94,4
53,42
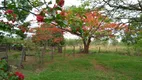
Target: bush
5,74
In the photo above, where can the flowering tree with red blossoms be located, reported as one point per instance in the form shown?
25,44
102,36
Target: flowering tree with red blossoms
48,34
16,13
90,24
84,23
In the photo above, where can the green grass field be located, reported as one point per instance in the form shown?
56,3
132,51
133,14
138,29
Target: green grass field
95,66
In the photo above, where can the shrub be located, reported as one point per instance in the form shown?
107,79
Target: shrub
5,74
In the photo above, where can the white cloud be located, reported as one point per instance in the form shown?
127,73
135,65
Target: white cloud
72,2
68,35
67,2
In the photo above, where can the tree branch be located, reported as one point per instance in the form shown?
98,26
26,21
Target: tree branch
32,5
78,34
19,8
128,7
4,3
140,4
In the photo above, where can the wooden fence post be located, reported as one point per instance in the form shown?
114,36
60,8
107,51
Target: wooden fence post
52,52
64,53
4,52
74,51
22,57
99,49
116,49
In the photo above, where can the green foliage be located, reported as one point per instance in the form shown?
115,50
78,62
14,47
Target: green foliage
4,73
5,27
10,29
6,40
74,21
114,42
3,65
134,34
20,7
73,42
138,45
15,56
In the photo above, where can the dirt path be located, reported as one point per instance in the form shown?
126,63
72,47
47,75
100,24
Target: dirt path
100,67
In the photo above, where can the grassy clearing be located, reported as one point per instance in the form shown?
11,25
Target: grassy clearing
81,67
130,66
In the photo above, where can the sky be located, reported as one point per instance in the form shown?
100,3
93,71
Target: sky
72,2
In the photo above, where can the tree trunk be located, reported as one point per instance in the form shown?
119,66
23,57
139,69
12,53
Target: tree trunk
99,49
22,58
6,53
74,51
80,48
86,49
52,53
86,45
43,52
64,53
60,50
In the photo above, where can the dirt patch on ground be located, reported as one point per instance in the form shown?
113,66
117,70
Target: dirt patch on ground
100,67
30,59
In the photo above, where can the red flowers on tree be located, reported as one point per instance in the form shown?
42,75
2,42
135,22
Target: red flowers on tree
23,28
19,75
9,11
48,32
39,18
90,24
61,3
11,16
9,75
63,13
